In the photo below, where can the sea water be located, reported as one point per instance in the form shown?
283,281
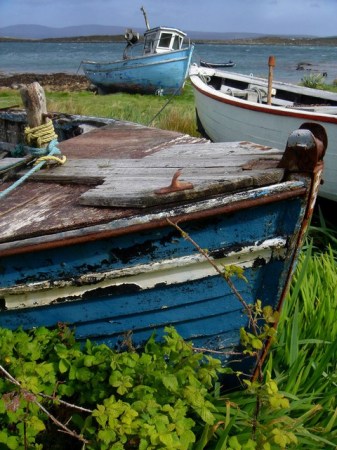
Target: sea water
47,57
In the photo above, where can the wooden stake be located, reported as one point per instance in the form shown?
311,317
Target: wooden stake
271,64
34,101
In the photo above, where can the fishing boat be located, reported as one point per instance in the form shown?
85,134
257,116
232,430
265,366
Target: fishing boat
113,242
213,65
232,106
157,65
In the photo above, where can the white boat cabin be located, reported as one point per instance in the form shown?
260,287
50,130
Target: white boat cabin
162,40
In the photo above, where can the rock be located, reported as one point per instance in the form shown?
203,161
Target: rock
50,82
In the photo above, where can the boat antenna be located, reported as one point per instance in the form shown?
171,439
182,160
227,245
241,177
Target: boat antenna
145,17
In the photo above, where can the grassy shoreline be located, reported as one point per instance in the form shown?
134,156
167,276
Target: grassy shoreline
174,113
69,93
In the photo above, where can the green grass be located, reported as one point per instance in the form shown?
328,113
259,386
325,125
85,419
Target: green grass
317,81
174,113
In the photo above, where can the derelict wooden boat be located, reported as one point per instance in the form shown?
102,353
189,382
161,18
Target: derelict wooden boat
232,106
158,65
213,65
111,241
13,122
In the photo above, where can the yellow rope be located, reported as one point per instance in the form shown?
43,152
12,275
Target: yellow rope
51,158
42,140
40,136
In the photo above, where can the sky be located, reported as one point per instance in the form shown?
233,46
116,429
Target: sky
278,17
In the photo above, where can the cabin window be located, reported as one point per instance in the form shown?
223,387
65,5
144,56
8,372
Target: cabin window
177,43
165,40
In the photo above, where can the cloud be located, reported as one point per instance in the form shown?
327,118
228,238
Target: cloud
262,16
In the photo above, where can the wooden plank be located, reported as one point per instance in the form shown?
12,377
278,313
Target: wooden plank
210,168
9,162
94,171
147,178
141,192
219,149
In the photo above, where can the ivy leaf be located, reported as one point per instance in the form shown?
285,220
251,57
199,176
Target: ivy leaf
107,436
12,443
83,374
66,389
249,445
183,425
270,315
187,438
206,415
167,439
143,444
3,437
257,343
64,365
61,350
89,360
36,424
234,443
170,382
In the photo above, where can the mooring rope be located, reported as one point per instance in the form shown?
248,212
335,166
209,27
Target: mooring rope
45,140
39,137
165,104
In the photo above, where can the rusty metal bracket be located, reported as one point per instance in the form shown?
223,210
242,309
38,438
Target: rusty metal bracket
175,185
305,148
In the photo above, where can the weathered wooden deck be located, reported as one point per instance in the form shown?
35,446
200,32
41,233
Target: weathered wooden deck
112,170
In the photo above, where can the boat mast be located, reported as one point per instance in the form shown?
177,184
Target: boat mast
145,17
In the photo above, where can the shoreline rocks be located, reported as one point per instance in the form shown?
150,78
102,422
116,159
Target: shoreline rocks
50,81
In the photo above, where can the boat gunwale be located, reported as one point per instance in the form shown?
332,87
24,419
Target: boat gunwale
291,189
151,56
222,97
279,85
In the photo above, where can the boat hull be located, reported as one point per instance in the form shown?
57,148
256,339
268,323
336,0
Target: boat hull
223,118
162,73
140,282
113,244
217,65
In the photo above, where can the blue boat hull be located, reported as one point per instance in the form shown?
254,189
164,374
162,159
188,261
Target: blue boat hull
107,246
161,73
194,298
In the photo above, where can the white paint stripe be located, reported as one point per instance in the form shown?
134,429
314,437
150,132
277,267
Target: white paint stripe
146,276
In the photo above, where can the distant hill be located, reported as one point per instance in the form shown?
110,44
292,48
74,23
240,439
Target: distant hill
25,31
42,32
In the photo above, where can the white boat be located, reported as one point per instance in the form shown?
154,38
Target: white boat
232,106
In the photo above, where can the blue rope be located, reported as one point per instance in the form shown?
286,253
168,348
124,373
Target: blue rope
51,148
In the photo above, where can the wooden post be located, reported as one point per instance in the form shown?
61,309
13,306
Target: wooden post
271,64
34,101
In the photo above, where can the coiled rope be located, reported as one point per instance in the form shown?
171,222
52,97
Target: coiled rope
40,136
44,140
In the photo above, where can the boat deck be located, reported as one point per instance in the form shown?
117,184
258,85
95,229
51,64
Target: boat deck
118,171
